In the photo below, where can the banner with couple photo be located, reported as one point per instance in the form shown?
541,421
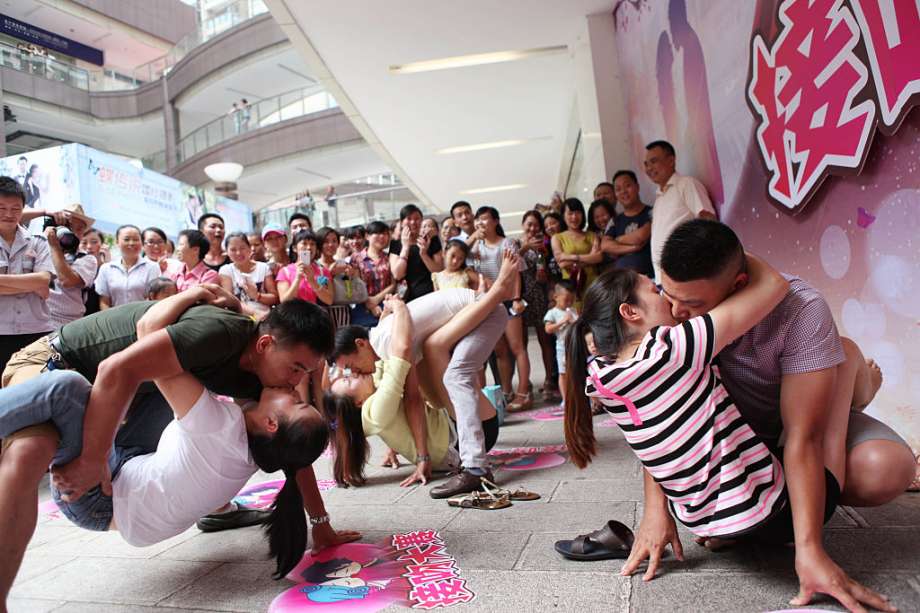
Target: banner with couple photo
114,191
796,115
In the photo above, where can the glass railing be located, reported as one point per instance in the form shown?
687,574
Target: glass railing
43,66
257,115
155,161
232,15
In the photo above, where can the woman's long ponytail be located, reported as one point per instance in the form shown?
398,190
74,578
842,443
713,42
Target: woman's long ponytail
351,447
601,317
294,445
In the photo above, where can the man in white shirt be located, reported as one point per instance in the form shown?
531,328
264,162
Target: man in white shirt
678,199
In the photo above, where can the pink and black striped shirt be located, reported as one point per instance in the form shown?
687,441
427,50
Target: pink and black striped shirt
669,401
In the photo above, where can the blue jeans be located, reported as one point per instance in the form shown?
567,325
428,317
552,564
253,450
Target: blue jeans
60,396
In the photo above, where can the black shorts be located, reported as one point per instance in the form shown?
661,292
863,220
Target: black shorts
778,529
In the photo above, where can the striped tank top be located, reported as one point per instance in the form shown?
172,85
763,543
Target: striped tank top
668,400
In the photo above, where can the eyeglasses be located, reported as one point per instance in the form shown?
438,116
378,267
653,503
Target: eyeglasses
154,243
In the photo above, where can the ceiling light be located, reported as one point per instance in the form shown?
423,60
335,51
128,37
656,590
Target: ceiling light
497,188
224,172
493,145
476,59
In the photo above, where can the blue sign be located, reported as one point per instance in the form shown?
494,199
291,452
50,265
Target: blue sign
50,40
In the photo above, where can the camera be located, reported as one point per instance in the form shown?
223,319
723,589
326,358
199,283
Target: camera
69,241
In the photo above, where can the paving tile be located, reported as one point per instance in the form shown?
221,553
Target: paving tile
32,605
110,545
904,511
598,490
553,517
394,518
114,580
99,607
242,545
232,587
484,551
716,593
546,591
874,549
539,554
34,565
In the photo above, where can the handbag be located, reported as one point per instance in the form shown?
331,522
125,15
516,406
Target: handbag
349,290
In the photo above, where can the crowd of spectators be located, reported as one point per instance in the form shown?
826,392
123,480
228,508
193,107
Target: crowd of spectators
351,270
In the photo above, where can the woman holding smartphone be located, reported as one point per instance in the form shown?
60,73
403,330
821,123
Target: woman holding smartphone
535,290
304,278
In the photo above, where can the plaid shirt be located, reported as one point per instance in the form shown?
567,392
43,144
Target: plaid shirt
376,275
798,336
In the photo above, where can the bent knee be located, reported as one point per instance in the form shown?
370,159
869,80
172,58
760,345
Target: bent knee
27,457
878,471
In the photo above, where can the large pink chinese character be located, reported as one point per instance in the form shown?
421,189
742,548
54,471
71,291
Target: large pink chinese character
419,556
803,89
891,31
419,537
440,594
420,574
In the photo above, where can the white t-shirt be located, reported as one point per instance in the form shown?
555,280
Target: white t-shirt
257,276
682,199
66,303
201,463
428,313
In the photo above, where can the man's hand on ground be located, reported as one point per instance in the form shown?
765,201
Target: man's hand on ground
76,478
655,533
819,574
324,536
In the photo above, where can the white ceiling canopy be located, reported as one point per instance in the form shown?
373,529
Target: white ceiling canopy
465,100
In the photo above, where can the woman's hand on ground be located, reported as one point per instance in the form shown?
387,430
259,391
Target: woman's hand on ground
324,536
819,574
390,460
655,533
422,474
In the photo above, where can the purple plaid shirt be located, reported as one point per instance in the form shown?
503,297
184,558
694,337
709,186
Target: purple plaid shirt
798,336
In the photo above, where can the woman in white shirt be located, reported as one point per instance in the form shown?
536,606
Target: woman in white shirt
251,282
125,280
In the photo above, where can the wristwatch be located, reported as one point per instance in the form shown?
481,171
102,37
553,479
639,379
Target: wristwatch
322,519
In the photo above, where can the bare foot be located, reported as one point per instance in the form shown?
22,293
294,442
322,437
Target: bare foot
713,543
875,377
504,282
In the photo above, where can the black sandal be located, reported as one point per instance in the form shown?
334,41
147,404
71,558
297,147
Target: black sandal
612,542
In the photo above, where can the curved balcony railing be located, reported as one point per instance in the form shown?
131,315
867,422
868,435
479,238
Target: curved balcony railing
109,79
43,66
259,114
230,16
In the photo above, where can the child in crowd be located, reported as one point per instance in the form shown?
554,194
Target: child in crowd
160,288
455,273
557,322
251,282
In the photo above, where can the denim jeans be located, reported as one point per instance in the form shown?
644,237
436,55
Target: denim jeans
58,396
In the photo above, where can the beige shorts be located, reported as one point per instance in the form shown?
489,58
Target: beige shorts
28,362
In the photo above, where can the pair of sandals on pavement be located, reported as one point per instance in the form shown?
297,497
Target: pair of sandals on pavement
491,497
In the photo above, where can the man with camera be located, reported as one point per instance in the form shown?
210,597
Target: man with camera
75,271
26,272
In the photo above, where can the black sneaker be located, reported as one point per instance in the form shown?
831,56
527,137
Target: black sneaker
240,518
460,483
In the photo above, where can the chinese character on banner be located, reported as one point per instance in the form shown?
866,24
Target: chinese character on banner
430,572
803,89
418,555
891,32
440,594
412,539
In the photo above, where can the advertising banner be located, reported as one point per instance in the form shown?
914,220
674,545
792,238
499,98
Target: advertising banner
796,115
50,40
115,191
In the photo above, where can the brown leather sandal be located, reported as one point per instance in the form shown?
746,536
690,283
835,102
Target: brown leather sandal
613,541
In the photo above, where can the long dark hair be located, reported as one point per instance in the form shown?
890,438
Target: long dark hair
295,444
601,317
494,214
351,447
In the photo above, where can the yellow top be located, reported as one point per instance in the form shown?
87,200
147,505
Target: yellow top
449,280
579,246
383,414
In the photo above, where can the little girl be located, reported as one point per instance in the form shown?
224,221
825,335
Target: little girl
558,320
455,273
250,281
656,377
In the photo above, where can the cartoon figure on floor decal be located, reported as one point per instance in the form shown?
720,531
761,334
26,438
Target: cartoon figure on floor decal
529,458
411,570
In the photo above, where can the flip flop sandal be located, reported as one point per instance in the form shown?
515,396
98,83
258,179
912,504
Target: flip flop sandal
612,542
478,500
517,495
